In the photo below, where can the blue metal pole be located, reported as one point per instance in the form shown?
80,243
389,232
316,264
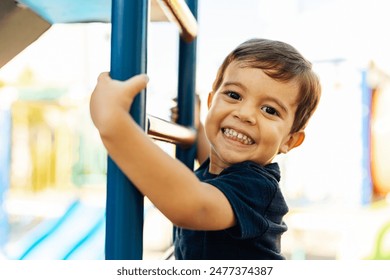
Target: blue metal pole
186,89
124,202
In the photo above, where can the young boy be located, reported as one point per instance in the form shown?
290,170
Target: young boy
231,207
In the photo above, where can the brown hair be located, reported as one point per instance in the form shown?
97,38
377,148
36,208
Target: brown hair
281,62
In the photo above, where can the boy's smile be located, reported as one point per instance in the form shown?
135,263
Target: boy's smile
237,136
250,118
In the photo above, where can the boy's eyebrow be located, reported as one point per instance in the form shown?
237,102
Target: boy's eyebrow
280,104
238,84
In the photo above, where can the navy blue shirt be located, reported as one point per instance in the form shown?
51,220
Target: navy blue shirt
258,204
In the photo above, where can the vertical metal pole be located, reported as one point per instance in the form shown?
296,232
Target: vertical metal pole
186,93
186,89
124,203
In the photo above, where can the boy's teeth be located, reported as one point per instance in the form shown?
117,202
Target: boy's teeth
231,133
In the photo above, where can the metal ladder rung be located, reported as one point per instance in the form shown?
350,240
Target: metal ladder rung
178,11
163,130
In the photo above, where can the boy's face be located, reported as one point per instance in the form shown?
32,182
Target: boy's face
250,117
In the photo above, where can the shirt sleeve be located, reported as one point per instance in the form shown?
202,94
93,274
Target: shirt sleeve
250,194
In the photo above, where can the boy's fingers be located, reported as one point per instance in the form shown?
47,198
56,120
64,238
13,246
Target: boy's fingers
103,76
136,83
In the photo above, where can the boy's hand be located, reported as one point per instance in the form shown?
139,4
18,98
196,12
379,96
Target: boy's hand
175,111
113,98
203,146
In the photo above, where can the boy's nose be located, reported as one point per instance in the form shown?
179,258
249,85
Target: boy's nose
246,114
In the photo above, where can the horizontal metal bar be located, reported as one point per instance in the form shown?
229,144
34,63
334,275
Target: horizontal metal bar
177,11
166,131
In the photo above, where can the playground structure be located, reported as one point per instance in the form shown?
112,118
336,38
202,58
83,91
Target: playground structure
119,212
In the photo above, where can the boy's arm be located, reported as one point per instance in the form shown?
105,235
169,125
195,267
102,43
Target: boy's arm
168,183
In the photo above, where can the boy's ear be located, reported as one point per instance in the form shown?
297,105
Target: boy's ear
295,139
210,99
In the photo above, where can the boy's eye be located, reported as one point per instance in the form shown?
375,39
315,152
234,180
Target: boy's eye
233,95
270,110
